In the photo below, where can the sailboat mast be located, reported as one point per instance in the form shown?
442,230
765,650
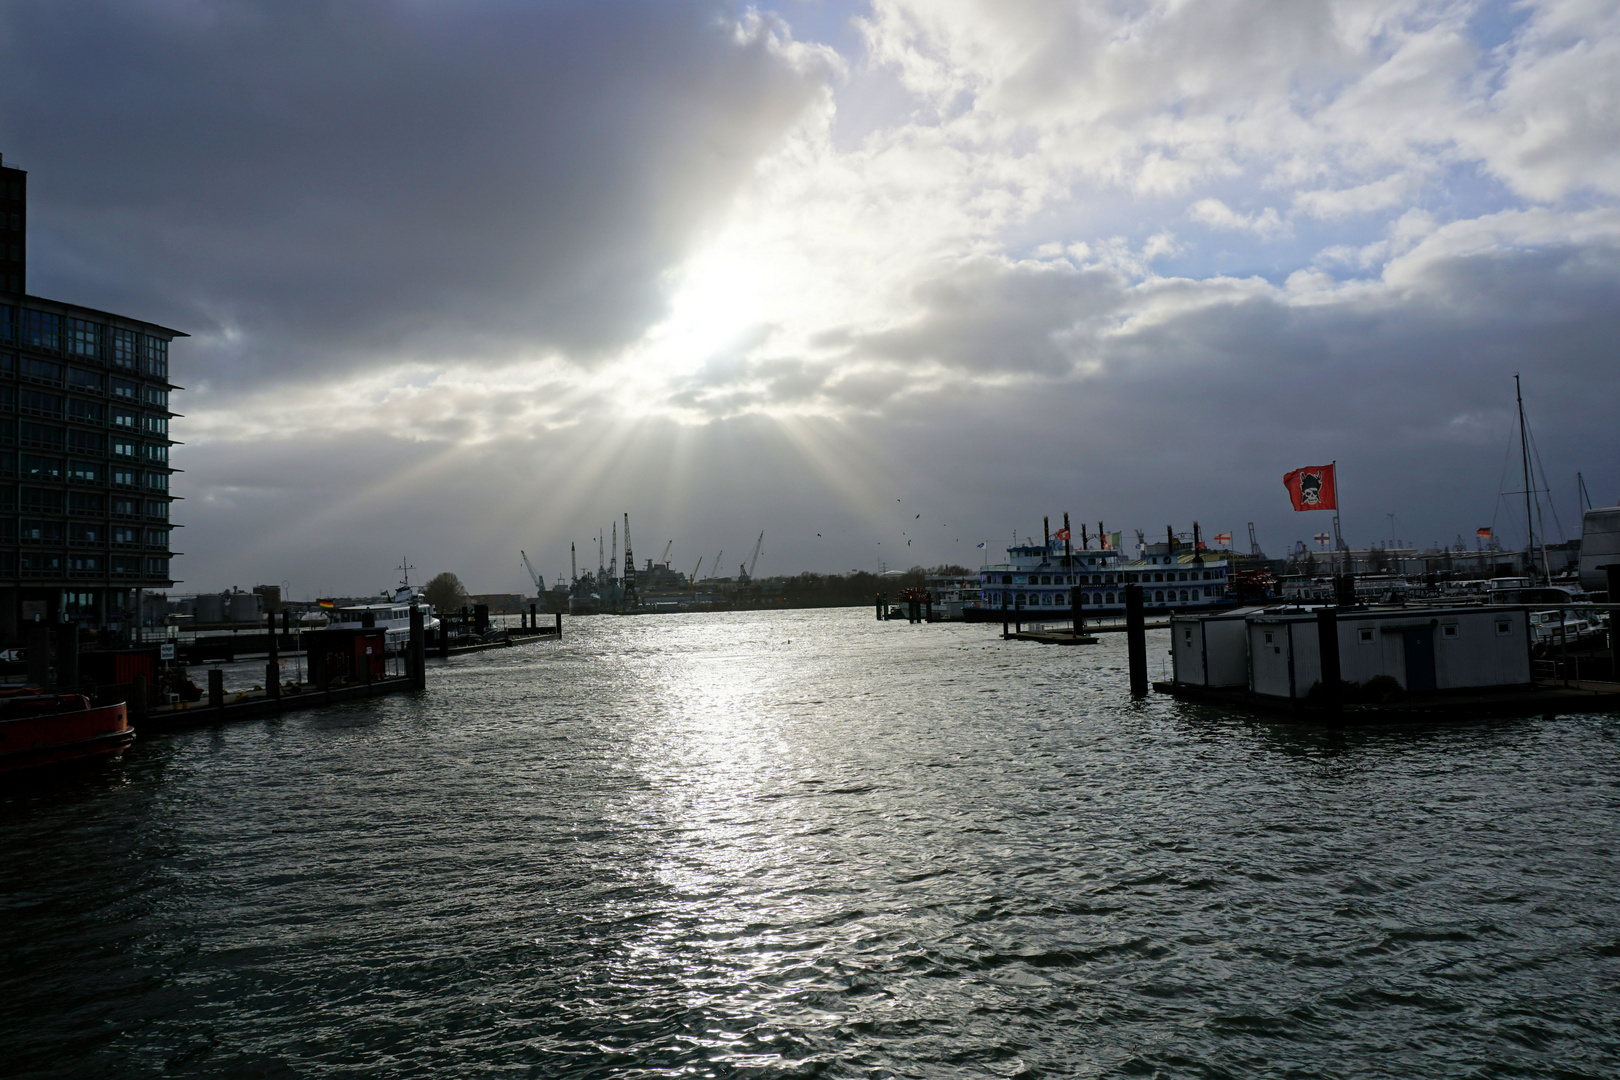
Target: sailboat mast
1524,454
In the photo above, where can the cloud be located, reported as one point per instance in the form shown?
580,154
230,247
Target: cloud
1218,215
313,185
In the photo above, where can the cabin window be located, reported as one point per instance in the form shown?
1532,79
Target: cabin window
1184,594
1046,598
1158,597
1188,633
1366,635
1448,631
1108,598
1268,637
1504,628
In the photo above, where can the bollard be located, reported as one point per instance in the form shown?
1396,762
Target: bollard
67,656
1136,640
418,656
1327,645
216,688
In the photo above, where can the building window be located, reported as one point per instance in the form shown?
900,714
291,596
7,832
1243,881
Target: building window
38,404
85,412
84,562
41,468
157,538
123,418
157,453
126,564
157,509
87,442
1365,634
126,507
45,435
157,567
85,534
83,471
43,370
123,448
126,477
124,534
83,338
1504,628
123,388
157,425
40,531
1448,631
157,357
40,329
80,379
85,502
157,481
122,348
157,396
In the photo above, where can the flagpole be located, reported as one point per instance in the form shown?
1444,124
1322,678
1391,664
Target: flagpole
1338,539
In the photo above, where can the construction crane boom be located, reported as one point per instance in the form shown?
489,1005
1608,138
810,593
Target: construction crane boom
753,561
715,566
631,599
539,582
695,570
664,558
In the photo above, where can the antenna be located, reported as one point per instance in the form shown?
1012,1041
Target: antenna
405,569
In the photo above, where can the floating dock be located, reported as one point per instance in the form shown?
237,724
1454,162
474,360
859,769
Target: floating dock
1541,700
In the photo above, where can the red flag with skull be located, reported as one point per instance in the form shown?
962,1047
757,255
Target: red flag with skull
1313,488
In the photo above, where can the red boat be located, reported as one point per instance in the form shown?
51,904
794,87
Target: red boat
41,728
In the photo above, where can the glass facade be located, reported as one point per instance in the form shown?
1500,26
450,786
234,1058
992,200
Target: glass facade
85,467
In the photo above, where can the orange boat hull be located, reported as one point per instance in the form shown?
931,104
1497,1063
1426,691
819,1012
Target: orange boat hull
51,738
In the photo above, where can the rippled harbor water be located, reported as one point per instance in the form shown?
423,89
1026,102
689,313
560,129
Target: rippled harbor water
809,844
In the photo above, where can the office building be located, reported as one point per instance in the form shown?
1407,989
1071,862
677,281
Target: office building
85,471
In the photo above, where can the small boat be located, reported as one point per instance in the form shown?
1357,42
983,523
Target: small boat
393,616
45,728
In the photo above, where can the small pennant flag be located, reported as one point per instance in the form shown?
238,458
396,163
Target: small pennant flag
1323,538
1113,541
1223,538
1061,534
981,543
1484,534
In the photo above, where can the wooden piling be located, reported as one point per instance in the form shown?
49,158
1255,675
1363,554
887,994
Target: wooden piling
37,649
558,615
1327,645
417,647
216,688
272,666
880,607
1004,613
1077,611
1136,640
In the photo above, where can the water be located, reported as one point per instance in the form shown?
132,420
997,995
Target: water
809,844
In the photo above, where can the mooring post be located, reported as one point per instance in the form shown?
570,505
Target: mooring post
879,607
1004,613
1327,645
1077,605
558,616
1136,640
928,608
418,649
272,666
37,642
136,705
534,617
1018,615
67,656
216,688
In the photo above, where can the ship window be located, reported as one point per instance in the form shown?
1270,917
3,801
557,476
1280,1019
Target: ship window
1504,628
1158,597
1184,594
1158,577
1448,631
1268,637
1046,598
1365,633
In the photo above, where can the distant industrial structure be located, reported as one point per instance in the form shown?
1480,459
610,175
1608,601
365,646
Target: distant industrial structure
85,500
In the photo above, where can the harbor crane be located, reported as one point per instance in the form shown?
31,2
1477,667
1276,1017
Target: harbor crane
539,582
695,570
632,599
573,565
716,563
746,572
664,559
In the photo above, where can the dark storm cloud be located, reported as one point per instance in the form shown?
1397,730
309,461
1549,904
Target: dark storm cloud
309,182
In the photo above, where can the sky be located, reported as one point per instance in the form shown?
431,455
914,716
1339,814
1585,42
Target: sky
884,280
